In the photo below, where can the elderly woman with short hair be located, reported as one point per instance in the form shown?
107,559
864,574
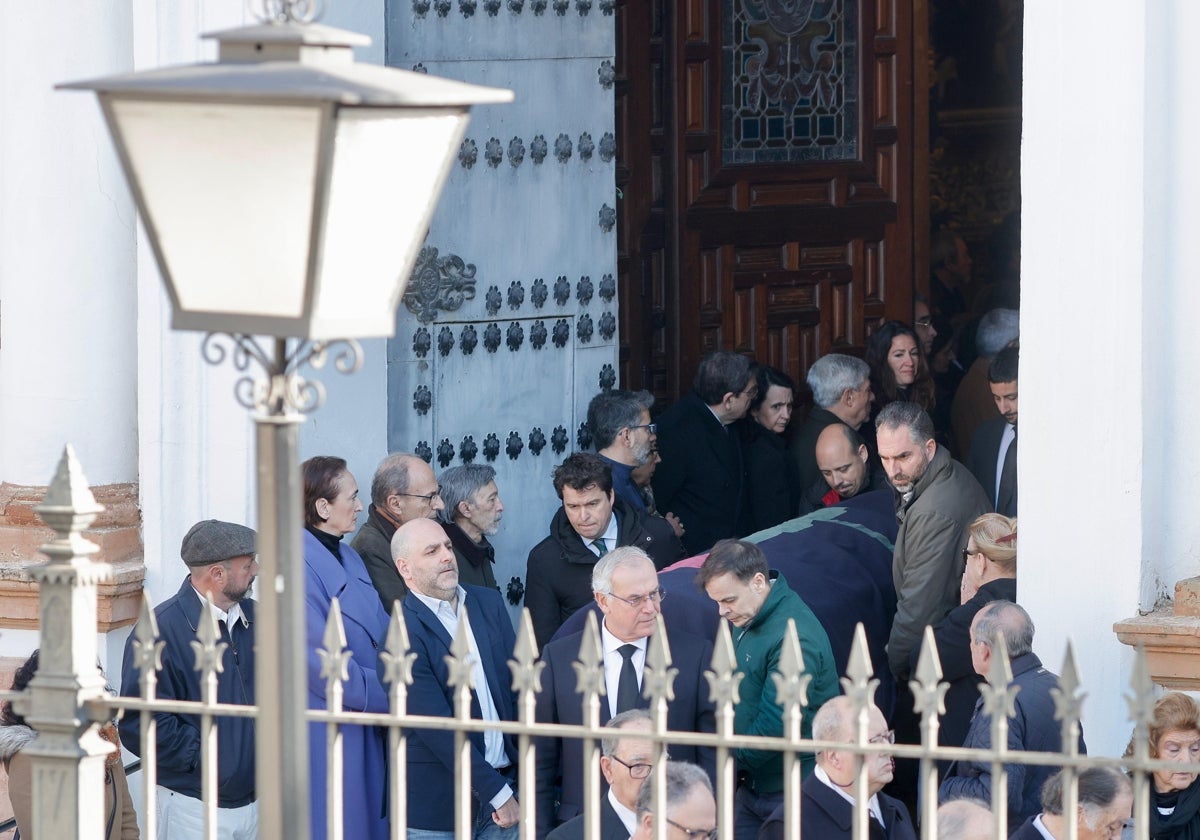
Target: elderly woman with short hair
334,570
1175,794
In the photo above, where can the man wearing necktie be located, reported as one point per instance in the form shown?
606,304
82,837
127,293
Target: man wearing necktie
220,557
592,521
626,590
993,458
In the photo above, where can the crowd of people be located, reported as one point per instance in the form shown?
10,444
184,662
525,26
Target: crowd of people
706,480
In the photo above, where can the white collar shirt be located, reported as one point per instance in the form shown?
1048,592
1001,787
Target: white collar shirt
613,660
609,536
230,616
628,817
872,803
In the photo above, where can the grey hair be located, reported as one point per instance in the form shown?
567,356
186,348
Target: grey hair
956,819
391,477
908,415
1098,788
830,721
611,411
832,375
602,572
681,778
608,744
1011,620
458,484
997,329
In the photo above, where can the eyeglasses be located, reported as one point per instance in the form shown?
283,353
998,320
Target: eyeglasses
637,600
923,322
967,552
637,771
652,428
694,833
888,737
428,497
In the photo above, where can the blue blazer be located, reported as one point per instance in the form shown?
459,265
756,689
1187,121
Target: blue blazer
431,752
364,748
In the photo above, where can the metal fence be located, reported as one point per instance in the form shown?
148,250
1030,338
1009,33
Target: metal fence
67,699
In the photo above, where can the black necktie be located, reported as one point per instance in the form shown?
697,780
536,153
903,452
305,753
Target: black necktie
627,684
223,628
1006,499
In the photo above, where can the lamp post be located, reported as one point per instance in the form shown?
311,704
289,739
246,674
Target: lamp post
285,190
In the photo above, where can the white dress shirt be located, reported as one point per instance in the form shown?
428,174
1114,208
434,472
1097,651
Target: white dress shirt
628,818
609,536
230,617
613,660
872,803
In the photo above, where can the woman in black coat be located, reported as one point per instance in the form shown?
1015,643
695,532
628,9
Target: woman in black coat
772,475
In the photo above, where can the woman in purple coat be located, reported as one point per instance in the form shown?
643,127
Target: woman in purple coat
334,570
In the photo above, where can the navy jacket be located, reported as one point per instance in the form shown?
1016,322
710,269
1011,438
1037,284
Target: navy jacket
1031,728
431,751
826,816
178,736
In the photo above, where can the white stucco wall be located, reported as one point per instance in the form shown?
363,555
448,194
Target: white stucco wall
1109,482
67,303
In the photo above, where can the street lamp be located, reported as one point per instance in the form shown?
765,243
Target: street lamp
285,191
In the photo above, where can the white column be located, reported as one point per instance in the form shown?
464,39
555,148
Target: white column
1088,397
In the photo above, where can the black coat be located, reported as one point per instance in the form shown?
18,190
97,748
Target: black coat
701,478
772,477
611,827
690,711
985,449
804,443
558,577
826,816
373,542
953,637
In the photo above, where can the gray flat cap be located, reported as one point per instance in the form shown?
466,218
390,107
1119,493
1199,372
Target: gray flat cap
212,541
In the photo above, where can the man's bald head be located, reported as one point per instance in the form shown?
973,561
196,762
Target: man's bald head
965,819
842,459
424,557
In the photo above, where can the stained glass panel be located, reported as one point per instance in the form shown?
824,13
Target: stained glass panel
791,81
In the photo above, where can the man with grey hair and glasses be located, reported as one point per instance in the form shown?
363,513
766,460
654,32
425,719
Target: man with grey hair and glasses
691,809
628,596
625,762
841,389
471,514
404,488
624,437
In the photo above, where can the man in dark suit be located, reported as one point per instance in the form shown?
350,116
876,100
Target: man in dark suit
625,761
993,458
700,478
841,390
435,610
627,592
827,799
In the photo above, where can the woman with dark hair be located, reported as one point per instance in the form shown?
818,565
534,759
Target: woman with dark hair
1105,802
1174,795
898,367
773,476
334,570
120,819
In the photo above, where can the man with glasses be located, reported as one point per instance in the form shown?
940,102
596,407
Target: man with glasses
759,604
691,809
592,521
827,809
627,592
403,489
701,478
624,437
625,762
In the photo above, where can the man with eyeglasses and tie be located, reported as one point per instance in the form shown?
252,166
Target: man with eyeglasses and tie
627,593
827,802
592,521
758,602
404,488
625,762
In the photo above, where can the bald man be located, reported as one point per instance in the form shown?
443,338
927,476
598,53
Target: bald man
965,819
434,611
845,466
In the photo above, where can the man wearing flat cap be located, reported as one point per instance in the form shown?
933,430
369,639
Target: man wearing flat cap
220,557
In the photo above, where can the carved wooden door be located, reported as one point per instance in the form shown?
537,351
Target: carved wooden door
766,167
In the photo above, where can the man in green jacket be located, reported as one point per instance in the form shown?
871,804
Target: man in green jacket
758,603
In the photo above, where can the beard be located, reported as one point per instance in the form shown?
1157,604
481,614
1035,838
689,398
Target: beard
237,595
